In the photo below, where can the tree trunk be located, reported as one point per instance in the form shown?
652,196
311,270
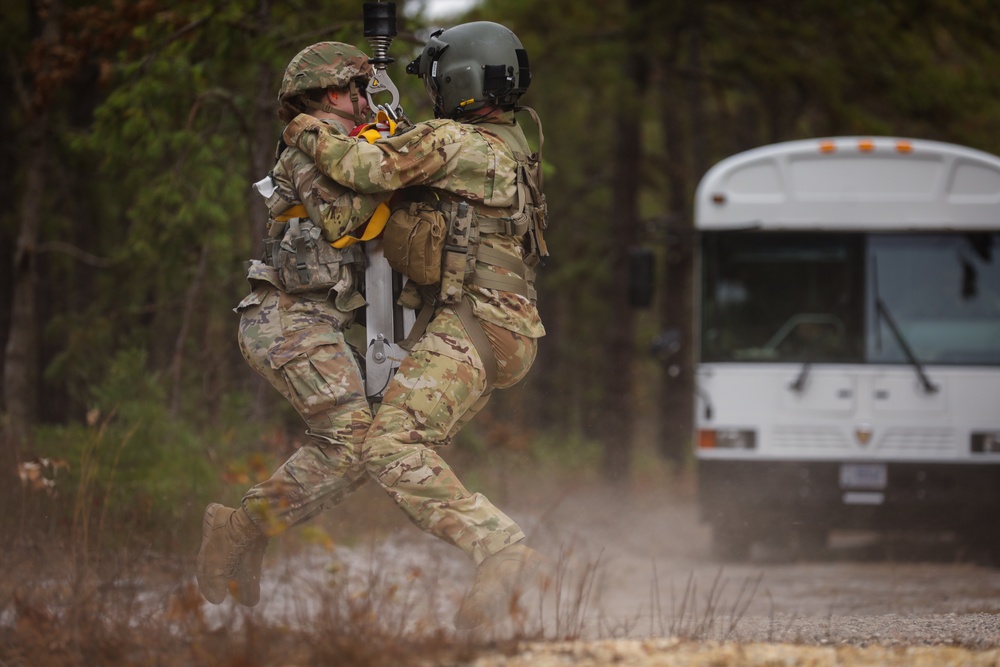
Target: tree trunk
677,386
263,141
618,407
618,411
190,309
677,293
20,376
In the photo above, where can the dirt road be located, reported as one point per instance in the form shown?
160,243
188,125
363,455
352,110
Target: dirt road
657,579
636,565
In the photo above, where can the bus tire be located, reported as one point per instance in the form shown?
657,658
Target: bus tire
811,541
729,544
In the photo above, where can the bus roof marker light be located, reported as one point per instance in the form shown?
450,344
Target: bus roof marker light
827,147
903,146
866,145
718,198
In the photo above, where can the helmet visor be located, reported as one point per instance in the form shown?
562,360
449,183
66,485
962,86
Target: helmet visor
430,85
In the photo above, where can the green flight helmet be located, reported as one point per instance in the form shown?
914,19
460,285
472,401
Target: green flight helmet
471,65
325,65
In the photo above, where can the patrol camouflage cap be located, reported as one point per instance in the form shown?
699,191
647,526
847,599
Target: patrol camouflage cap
324,65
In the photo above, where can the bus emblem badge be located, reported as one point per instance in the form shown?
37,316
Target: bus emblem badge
863,434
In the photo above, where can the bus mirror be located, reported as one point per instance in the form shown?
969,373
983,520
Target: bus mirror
970,288
665,344
641,277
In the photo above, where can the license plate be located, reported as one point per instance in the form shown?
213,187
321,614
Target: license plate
863,476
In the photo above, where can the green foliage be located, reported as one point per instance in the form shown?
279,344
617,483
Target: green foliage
133,468
573,454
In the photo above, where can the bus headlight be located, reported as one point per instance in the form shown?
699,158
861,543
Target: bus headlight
986,443
727,438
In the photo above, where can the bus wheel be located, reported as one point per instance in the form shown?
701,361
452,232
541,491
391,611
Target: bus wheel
730,544
811,541
985,546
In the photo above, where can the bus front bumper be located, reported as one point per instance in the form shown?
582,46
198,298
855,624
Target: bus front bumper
850,494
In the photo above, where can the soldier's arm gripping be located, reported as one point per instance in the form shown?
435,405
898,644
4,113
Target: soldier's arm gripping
335,208
425,154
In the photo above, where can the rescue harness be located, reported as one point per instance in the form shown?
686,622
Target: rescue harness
459,256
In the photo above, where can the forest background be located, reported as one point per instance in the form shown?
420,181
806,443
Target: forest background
133,130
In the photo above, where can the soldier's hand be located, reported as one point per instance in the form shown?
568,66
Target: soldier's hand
300,124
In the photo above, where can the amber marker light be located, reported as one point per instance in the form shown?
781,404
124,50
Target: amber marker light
706,439
827,147
866,145
904,147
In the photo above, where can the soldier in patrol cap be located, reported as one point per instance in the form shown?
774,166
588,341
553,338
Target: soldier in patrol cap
474,162
291,327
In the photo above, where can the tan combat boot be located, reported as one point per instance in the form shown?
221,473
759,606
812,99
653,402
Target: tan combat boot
498,579
232,549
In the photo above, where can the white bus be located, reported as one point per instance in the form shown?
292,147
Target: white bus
849,357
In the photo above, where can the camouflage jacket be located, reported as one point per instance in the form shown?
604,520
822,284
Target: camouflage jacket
337,209
461,158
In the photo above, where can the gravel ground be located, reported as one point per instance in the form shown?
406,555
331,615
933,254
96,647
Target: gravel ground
657,575
629,579
676,653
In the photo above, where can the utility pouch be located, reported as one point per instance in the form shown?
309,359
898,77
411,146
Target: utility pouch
540,215
304,260
413,241
456,261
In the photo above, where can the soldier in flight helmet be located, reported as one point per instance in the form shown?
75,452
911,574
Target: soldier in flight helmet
317,68
471,66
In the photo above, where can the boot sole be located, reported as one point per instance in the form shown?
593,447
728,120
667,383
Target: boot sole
248,594
215,595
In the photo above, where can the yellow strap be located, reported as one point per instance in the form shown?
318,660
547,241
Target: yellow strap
375,226
381,215
383,117
297,211
370,135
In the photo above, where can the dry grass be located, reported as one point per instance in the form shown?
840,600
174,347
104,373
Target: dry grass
61,615
71,597
62,607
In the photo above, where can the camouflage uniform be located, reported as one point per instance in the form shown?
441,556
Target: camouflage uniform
442,384
296,342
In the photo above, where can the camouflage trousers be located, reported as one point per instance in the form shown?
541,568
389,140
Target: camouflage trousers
299,347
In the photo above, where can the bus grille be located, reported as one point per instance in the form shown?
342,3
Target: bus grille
807,437
890,441
923,440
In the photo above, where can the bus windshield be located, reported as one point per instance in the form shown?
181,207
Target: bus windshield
825,297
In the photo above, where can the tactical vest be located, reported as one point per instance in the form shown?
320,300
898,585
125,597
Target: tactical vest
305,261
434,236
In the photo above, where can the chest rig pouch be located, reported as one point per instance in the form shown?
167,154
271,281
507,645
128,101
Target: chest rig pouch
296,248
426,239
414,239
306,262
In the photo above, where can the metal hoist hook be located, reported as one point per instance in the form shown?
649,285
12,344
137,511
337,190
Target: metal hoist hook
380,29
